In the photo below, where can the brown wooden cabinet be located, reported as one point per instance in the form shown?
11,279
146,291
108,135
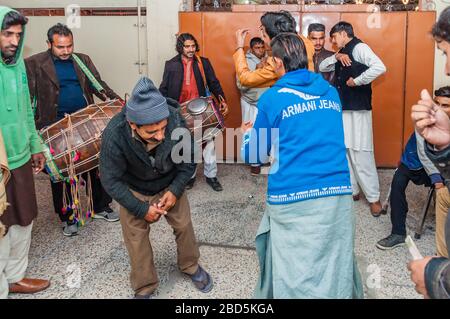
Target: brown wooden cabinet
401,39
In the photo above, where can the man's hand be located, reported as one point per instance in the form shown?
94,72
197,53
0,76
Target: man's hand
245,126
351,82
38,162
417,269
154,213
167,201
240,37
438,185
344,59
262,64
223,108
431,122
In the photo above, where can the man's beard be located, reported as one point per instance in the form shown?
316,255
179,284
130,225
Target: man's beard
64,57
8,57
7,53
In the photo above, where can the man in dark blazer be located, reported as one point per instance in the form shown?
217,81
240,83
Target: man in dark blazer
59,86
183,81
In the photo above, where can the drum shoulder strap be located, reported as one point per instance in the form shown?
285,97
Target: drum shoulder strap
202,72
88,73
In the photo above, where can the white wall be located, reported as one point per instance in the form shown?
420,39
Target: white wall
112,41
162,21
440,79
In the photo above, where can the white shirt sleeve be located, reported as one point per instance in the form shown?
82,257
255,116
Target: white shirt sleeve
327,65
362,53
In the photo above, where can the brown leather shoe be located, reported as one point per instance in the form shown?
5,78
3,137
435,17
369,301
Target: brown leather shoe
376,209
356,197
29,286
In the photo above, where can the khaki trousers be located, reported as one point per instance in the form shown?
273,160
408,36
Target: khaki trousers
442,207
143,277
14,248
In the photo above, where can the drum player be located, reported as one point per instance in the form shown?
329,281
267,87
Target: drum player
62,82
183,80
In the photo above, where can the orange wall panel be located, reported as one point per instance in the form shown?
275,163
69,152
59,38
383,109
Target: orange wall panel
191,22
219,31
389,43
219,46
413,58
419,63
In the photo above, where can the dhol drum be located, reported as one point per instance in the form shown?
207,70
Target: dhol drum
72,145
203,118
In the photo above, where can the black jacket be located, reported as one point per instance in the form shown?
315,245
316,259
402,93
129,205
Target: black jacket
172,81
356,98
125,163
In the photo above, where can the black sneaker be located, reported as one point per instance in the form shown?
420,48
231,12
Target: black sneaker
107,214
390,242
190,184
70,229
214,183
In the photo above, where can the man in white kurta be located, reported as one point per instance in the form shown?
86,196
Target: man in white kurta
356,57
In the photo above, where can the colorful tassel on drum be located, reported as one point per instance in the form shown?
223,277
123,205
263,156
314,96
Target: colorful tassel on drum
76,156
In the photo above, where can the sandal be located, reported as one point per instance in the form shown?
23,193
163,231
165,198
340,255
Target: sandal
202,280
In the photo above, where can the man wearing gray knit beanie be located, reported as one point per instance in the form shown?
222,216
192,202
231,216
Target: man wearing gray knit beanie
138,171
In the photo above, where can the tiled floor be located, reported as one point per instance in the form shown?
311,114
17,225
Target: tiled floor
95,264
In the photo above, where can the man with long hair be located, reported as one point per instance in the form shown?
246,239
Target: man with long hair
184,80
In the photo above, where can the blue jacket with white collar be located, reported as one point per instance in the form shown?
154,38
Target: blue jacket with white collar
299,122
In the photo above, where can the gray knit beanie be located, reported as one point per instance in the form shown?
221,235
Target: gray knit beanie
146,104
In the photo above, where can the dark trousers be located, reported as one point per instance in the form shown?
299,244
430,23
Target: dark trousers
399,206
101,199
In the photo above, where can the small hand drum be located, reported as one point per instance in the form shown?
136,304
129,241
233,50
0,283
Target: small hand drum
203,118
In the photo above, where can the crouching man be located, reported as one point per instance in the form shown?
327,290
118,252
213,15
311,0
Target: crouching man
138,171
